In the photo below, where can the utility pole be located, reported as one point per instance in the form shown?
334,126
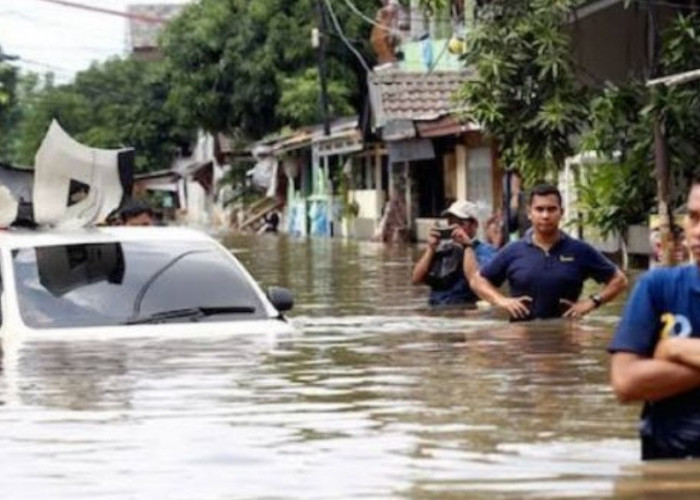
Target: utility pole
319,40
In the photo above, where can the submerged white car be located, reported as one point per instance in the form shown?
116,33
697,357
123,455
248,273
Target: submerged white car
101,282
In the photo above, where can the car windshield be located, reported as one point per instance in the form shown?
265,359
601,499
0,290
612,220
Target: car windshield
105,284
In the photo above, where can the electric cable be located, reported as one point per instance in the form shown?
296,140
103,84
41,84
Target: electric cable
101,10
339,30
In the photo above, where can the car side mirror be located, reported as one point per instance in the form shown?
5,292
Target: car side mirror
281,298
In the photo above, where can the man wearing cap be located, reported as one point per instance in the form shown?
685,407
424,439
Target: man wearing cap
546,268
440,266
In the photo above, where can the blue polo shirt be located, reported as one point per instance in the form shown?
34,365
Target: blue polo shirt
664,302
549,276
461,292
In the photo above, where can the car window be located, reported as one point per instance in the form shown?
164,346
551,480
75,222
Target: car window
116,283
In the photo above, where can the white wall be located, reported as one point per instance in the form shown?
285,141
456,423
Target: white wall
370,202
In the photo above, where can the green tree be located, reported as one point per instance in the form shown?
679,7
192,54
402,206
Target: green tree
250,66
620,191
623,191
119,103
8,107
524,92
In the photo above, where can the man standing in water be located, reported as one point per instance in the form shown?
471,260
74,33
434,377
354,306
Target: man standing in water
656,351
440,266
546,268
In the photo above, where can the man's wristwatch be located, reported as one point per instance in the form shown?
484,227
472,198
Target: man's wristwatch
597,299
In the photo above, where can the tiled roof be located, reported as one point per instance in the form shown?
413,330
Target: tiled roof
398,95
144,34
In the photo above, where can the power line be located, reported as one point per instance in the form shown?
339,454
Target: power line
411,17
84,48
101,10
59,27
368,19
349,45
437,60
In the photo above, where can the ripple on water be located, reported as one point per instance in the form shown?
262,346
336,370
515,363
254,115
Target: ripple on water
377,397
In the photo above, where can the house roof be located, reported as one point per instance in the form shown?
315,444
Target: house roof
305,136
159,175
144,32
398,95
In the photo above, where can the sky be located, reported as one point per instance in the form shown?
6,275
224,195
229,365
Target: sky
64,40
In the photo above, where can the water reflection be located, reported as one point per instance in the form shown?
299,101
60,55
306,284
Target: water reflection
378,397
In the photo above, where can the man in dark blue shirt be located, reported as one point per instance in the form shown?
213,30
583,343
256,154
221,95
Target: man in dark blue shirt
440,266
656,351
546,268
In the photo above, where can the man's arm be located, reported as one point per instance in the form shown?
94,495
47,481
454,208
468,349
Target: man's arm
612,288
516,307
470,265
636,378
681,350
420,270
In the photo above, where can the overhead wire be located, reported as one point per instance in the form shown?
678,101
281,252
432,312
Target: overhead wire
101,10
57,26
342,36
437,60
412,16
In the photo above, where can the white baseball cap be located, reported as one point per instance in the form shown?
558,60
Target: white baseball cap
462,209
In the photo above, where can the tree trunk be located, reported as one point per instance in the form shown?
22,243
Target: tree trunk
662,174
624,251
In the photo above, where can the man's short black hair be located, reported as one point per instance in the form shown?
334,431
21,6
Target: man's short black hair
545,189
134,208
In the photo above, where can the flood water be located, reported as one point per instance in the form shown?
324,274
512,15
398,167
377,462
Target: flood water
376,397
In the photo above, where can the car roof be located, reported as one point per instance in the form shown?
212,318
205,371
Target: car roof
22,238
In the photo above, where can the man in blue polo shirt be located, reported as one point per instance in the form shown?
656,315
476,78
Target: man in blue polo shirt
545,269
656,351
440,266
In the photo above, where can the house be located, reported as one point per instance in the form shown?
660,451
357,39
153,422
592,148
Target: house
145,25
308,169
199,170
185,192
432,156
613,41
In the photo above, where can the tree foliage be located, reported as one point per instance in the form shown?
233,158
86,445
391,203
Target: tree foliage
249,66
8,106
524,93
622,192
119,103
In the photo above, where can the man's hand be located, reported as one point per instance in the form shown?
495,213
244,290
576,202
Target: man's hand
683,350
433,238
666,349
460,236
578,309
516,306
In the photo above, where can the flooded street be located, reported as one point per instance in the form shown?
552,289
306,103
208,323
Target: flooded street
376,397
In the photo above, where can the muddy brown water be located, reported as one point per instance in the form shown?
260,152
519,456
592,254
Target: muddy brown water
376,397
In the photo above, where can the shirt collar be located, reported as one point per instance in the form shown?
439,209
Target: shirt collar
530,232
